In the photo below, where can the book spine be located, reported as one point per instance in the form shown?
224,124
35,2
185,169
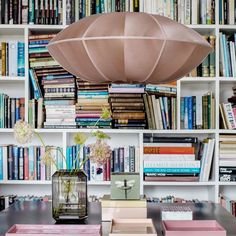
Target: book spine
10,163
116,161
171,170
15,163
190,113
1,163
167,150
31,12
121,159
21,164
26,164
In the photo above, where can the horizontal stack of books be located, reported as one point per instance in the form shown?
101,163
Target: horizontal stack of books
207,67
11,110
185,12
12,58
91,99
177,158
227,12
161,106
24,163
228,112
127,106
52,86
227,55
197,112
31,12
227,164
123,159
228,204
172,199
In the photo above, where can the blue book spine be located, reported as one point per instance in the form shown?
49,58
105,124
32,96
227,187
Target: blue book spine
31,12
102,6
36,42
161,99
86,152
127,85
68,160
98,7
35,87
226,63
21,59
93,93
15,163
220,12
116,161
77,156
190,113
31,163
1,163
17,110
38,166
52,77
60,160
172,170
21,163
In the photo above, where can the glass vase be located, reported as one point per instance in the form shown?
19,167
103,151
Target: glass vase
69,195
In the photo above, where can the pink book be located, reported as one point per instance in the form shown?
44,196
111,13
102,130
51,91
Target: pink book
52,230
42,165
193,228
126,90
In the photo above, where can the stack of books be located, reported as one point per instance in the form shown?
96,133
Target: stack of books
227,164
12,58
228,204
127,106
227,12
170,158
91,99
123,159
31,12
207,67
185,12
227,55
197,112
161,106
228,112
52,86
24,163
11,110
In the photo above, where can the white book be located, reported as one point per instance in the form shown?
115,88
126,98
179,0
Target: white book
203,160
137,159
199,111
187,13
92,171
233,59
227,163
159,118
168,157
141,5
154,105
99,172
203,12
231,12
167,145
171,164
209,158
230,119
168,8
126,159
76,10
110,7
131,5
195,12
105,6
12,56
152,6
5,169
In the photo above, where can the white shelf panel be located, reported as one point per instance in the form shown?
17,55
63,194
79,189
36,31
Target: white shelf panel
99,183
6,130
155,183
198,79
201,26
227,183
12,79
227,131
182,131
227,79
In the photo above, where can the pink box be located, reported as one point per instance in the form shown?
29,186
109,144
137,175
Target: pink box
52,230
193,228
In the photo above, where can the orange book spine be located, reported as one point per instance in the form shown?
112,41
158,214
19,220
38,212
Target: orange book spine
168,150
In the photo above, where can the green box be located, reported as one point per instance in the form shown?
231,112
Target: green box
125,186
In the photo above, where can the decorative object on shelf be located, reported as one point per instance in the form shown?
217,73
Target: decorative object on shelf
193,228
125,186
69,186
49,230
176,213
128,47
132,227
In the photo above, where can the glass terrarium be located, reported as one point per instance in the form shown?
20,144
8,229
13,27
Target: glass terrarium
69,195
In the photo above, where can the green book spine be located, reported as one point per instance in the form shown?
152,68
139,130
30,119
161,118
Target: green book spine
209,118
148,114
31,12
212,56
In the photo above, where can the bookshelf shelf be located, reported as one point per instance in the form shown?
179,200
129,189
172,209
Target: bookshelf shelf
63,137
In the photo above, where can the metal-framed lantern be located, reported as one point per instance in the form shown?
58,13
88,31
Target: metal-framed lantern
69,195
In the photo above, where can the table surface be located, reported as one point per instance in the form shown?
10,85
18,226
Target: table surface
40,213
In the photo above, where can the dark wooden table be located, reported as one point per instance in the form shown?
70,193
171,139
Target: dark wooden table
40,213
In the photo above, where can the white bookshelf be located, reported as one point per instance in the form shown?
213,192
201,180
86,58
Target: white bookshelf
221,87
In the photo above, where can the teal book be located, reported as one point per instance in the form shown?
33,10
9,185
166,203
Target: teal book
172,170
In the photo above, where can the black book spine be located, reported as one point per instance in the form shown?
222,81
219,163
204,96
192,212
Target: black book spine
226,7
19,12
21,163
136,5
93,7
194,112
117,6
81,9
121,158
55,12
38,167
169,112
213,5
10,11
15,11
150,139
112,161
6,12
73,10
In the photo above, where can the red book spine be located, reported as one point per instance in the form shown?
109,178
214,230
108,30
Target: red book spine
108,170
105,172
168,150
26,164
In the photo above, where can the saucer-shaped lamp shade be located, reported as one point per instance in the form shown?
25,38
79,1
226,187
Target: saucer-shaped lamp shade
128,48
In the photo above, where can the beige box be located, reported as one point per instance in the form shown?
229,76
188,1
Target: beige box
109,213
132,227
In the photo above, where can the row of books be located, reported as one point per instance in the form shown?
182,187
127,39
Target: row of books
127,106
123,159
161,106
228,112
228,204
227,55
207,67
183,11
197,112
25,163
91,99
227,12
11,110
227,161
170,199
12,58
177,158
31,12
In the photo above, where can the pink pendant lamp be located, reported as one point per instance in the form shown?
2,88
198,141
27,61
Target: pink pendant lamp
128,48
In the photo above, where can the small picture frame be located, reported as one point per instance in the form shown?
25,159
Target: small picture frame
125,186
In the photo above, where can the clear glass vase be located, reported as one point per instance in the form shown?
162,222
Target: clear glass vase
69,195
